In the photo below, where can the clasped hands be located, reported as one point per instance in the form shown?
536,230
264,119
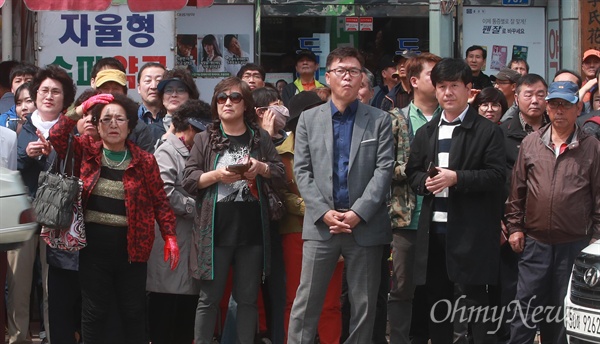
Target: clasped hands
341,222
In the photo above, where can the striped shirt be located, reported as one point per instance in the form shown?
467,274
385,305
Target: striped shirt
444,142
106,204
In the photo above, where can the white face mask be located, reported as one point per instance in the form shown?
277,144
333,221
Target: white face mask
281,116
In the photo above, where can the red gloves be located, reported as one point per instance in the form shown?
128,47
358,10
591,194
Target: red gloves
103,98
172,251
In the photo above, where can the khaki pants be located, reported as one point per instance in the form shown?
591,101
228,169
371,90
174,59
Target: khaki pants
19,279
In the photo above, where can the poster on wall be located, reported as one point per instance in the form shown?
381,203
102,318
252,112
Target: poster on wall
77,40
220,50
510,32
211,54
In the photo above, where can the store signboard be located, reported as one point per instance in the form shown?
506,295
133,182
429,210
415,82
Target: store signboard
516,3
366,23
507,33
76,40
351,23
210,50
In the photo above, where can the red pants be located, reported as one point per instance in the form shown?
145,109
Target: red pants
330,323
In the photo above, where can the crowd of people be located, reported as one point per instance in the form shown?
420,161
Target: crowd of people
437,189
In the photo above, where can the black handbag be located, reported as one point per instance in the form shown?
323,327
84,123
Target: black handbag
276,207
56,194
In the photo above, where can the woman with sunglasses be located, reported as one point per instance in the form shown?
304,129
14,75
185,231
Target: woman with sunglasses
225,171
123,197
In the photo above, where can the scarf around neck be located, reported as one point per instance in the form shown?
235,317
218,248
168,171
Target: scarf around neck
41,125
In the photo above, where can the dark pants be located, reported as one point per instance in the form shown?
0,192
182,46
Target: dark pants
441,297
544,272
3,270
379,328
171,318
64,304
105,274
400,303
502,294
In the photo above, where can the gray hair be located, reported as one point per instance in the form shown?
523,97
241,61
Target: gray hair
370,77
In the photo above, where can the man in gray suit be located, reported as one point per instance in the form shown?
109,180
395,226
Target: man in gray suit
343,165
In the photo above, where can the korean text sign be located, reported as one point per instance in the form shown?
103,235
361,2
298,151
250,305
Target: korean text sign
76,40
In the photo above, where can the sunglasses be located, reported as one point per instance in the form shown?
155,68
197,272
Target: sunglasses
235,98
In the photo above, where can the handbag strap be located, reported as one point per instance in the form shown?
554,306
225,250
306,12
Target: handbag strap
63,164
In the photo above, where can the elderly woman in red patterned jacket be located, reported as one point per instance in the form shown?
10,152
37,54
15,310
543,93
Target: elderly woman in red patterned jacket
123,196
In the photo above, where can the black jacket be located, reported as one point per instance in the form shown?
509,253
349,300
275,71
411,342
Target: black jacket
475,203
592,127
30,168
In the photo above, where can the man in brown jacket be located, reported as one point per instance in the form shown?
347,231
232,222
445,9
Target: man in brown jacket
552,213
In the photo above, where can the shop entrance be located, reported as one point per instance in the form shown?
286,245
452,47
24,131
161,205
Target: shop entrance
280,37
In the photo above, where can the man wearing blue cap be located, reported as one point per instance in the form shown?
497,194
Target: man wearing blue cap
552,213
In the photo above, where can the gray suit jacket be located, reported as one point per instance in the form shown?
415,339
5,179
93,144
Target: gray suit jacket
369,172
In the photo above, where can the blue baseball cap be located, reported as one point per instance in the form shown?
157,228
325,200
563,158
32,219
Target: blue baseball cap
566,90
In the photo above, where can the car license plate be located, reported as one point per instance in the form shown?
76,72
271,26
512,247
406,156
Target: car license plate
579,322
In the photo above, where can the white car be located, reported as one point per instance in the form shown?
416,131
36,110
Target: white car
582,303
17,217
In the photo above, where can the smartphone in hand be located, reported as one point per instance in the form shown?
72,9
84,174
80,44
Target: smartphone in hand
431,170
240,168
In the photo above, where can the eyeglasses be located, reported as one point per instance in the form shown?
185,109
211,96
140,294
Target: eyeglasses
260,110
235,97
553,104
172,90
109,120
55,92
341,72
488,106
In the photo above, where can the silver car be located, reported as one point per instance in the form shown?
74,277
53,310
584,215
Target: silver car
17,217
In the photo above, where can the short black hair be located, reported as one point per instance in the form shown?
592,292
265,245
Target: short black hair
519,59
530,79
190,40
568,71
264,96
451,69
227,40
342,53
103,63
149,65
491,95
193,108
20,89
131,109
5,70
56,73
23,69
476,47
252,66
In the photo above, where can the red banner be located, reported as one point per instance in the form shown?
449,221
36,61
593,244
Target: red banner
155,5
102,5
67,5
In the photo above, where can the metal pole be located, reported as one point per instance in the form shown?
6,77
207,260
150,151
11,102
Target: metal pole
7,23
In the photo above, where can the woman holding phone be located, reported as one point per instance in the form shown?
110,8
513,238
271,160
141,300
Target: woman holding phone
232,223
